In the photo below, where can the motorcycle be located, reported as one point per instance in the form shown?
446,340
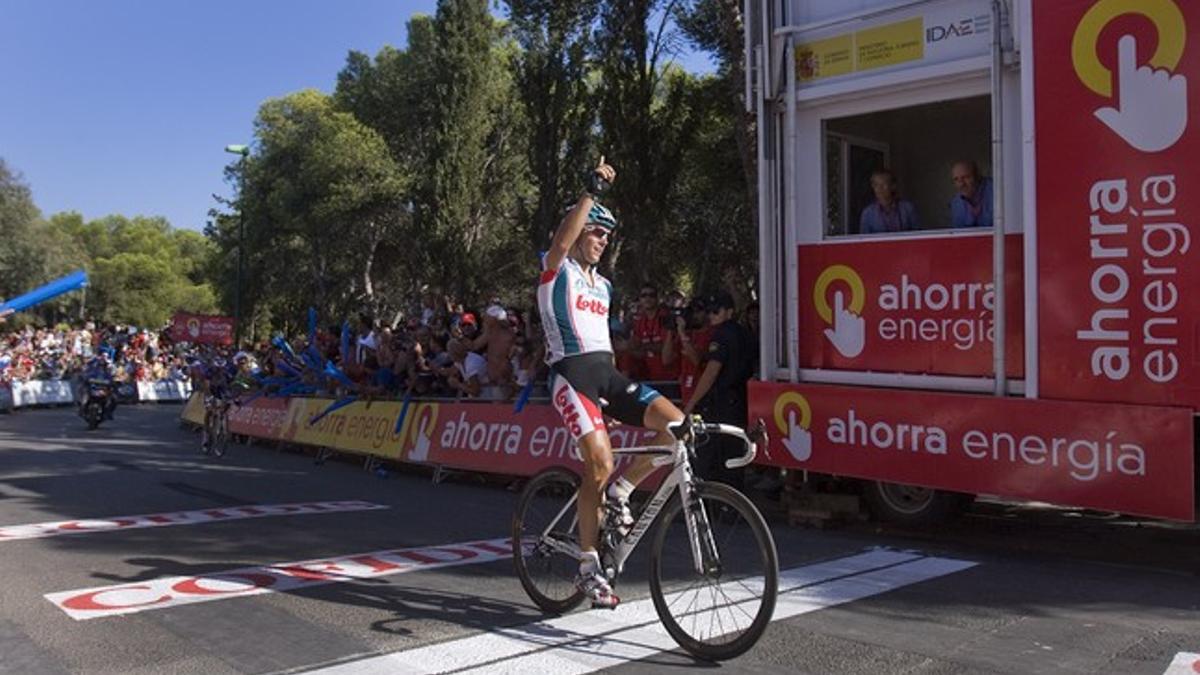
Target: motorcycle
98,402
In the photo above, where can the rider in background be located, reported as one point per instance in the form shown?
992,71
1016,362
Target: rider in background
574,302
215,378
99,370
245,371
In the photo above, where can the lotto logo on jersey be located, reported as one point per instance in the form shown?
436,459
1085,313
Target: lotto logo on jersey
598,307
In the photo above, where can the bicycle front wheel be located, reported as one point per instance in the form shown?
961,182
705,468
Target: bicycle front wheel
221,440
721,611
545,526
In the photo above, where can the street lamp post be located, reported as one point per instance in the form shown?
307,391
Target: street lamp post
244,151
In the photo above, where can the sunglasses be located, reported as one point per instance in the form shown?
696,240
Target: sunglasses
598,232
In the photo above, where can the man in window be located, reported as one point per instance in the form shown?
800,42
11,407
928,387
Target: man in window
888,213
972,206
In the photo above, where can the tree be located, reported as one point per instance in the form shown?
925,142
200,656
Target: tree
646,127
715,220
318,197
716,26
552,76
20,268
472,187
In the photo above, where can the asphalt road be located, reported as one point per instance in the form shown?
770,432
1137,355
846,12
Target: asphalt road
105,588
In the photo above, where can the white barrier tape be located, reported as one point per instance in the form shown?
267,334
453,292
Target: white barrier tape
166,390
42,392
55,392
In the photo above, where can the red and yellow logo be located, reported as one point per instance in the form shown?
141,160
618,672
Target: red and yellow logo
793,419
1167,20
1147,104
847,332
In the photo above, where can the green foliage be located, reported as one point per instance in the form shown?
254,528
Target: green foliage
144,289
140,271
318,197
18,220
647,125
551,73
441,165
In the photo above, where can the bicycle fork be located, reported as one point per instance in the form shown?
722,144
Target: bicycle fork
705,557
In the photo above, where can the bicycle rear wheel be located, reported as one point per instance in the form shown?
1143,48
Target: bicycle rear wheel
542,520
721,612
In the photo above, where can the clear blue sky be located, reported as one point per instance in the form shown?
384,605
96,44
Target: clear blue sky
125,106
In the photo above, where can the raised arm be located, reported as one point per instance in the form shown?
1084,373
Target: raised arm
572,225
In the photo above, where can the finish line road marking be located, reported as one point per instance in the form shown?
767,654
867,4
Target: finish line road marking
587,641
41,530
1185,663
93,603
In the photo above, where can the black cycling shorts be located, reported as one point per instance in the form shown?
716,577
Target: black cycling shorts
586,387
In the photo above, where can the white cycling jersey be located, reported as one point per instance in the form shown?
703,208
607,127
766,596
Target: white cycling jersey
574,310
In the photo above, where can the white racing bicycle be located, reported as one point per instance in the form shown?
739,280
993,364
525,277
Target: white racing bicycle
714,570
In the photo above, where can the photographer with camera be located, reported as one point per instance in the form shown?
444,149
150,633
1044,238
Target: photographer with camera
688,345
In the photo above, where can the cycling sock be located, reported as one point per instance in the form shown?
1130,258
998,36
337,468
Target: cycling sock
620,489
589,562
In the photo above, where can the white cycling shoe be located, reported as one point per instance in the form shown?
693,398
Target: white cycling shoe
597,589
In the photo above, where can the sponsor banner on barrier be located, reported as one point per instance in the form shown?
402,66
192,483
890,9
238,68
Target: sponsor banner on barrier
202,328
6,397
1118,133
262,418
166,390
43,392
369,428
1131,459
908,306
474,436
93,603
477,436
489,437
92,525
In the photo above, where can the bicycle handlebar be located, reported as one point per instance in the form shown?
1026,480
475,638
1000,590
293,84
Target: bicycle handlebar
695,424
736,432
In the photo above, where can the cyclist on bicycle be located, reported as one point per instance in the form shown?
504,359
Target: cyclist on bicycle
574,302
215,378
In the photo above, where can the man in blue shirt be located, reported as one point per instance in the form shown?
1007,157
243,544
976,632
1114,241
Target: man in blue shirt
972,206
888,213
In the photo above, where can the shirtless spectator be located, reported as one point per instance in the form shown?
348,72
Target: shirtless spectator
496,340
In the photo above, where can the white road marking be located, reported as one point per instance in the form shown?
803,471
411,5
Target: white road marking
591,640
1185,663
198,517
104,601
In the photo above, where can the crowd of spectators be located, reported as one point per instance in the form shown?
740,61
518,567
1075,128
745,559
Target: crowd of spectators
446,350
62,352
442,349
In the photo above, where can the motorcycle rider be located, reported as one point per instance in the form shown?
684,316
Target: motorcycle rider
98,371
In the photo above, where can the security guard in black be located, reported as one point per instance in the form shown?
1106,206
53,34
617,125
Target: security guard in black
720,394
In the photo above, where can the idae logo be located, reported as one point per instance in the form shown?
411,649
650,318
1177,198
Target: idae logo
1149,107
847,332
793,418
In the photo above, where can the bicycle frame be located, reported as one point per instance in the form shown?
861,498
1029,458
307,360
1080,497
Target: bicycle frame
681,478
